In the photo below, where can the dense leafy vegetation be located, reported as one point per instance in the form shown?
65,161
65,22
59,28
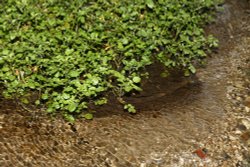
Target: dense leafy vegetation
73,52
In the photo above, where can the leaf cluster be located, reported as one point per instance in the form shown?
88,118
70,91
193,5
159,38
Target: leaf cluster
73,52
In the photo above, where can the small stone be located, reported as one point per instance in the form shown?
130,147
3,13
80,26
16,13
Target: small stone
238,98
229,96
241,128
246,123
247,109
218,76
239,158
248,142
238,132
245,136
247,102
232,138
144,164
230,89
239,85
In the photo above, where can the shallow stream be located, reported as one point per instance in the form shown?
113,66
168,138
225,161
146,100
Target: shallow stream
176,116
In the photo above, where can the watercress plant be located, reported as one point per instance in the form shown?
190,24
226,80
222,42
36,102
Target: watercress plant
73,52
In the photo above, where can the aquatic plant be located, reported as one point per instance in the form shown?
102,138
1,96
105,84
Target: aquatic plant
72,53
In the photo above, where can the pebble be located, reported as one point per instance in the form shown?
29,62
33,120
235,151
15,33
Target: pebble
232,138
245,136
218,76
247,102
144,164
230,89
239,85
238,98
238,132
247,109
246,123
240,128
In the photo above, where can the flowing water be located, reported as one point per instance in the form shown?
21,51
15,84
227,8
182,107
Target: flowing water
176,116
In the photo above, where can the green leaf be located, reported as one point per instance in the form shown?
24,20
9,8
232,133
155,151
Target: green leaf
1,61
192,69
56,105
69,51
136,79
150,4
50,110
5,52
32,85
69,117
130,108
95,81
37,102
72,107
128,88
66,96
164,74
74,74
101,101
25,100
5,69
45,96
68,89
11,78
125,41
186,73
88,116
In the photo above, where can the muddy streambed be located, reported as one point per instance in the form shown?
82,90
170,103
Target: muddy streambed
176,117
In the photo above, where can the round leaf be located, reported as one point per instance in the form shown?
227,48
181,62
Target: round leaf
72,107
136,79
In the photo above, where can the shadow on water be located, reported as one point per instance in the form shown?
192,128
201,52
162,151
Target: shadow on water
175,115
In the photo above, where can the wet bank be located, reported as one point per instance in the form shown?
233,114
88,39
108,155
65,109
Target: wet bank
176,117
